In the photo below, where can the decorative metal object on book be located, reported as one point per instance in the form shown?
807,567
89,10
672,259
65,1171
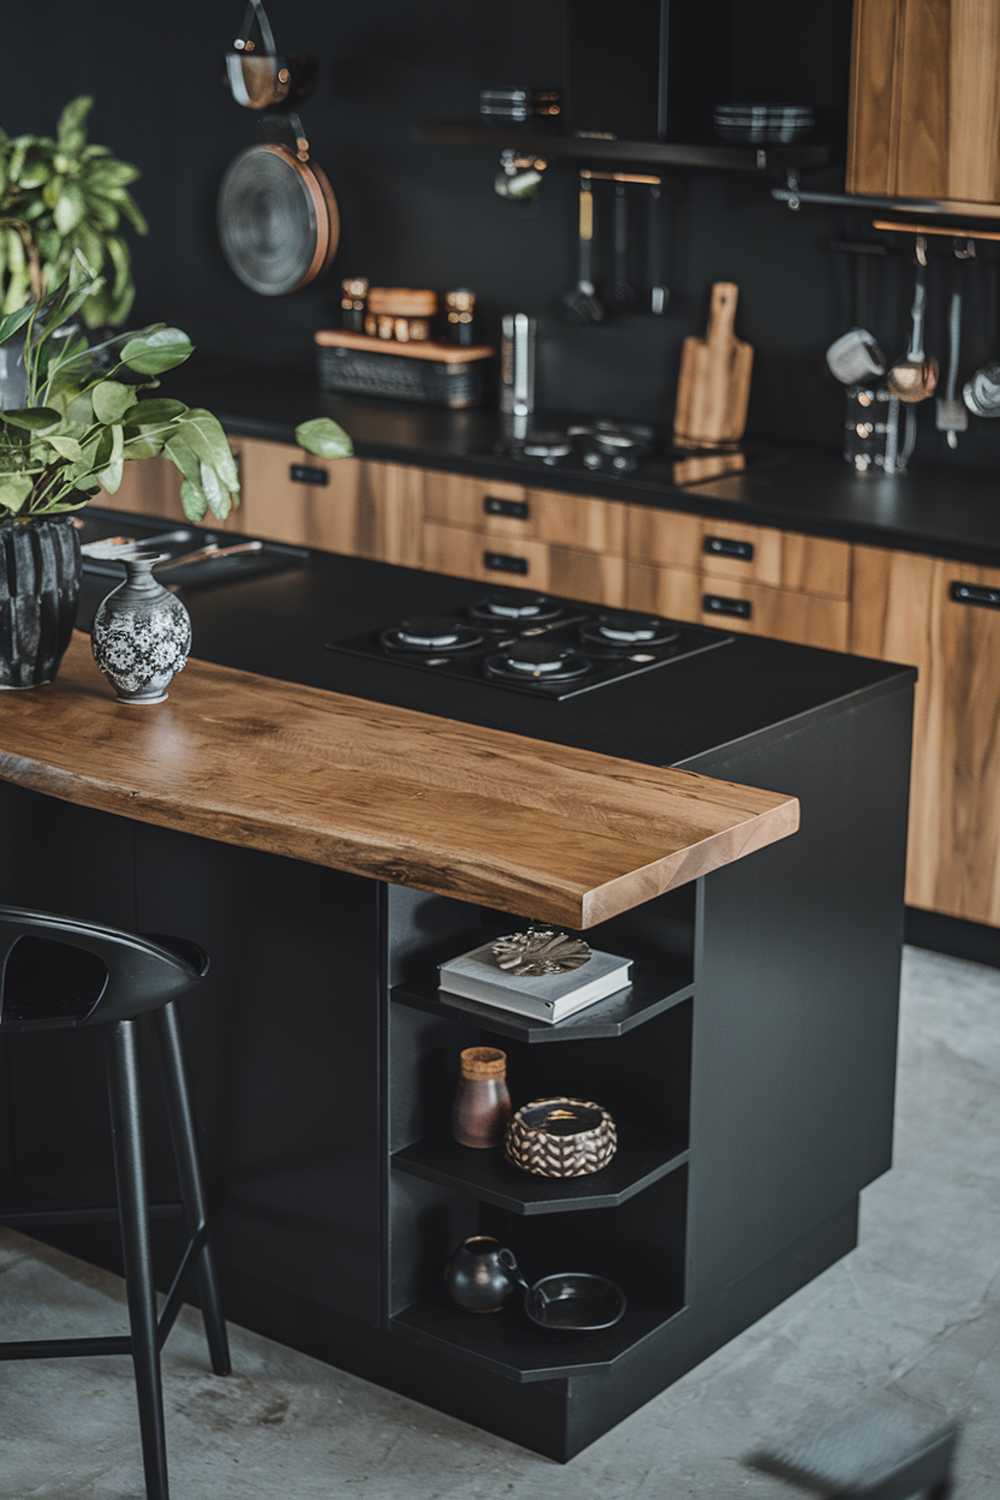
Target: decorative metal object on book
540,950
561,1137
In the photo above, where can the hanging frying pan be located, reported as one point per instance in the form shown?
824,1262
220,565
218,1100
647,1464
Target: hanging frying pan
278,218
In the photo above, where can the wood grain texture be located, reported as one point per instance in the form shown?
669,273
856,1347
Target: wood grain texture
713,386
902,612
871,147
365,509
781,559
541,830
925,112
577,521
783,614
560,570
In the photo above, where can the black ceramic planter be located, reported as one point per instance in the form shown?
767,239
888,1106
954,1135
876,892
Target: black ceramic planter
39,590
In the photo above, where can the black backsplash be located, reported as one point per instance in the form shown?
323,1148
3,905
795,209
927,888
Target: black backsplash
423,214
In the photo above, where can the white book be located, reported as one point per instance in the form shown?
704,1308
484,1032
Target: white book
546,997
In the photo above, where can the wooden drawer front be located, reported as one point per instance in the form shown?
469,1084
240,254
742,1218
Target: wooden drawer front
729,549
496,508
343,505
905,609
731,604
523,564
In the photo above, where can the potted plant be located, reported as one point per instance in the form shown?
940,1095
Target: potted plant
88,411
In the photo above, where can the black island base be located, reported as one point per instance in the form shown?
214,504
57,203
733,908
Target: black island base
750,1069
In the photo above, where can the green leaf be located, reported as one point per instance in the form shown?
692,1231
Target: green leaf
14,490
71,120
66,447
69,209
32,418
105,174
121,260
112,400
90,245
183,458
324,437
129,208
101,213
203,433
111,475
219,502
152,353
34,173
15,321
139,444
194,502
157,410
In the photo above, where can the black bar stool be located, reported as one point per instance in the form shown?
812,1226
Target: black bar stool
882,1453
56,973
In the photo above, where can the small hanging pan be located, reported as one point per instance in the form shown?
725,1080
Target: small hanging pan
258,76
278,218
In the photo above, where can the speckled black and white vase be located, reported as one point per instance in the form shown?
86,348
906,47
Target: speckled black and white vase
142,633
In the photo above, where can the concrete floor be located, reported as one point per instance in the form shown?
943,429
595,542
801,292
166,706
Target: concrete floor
914,1312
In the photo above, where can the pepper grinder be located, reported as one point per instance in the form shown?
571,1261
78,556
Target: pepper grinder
482,1102
460,317
354,294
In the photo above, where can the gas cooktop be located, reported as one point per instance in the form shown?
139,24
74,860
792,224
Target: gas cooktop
534,643
607,447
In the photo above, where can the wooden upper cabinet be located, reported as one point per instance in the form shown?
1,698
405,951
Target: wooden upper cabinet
943,618
342,505
925,111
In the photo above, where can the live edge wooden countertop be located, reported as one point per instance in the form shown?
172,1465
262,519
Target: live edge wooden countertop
542,830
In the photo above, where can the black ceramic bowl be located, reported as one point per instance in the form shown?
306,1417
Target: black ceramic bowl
575,1300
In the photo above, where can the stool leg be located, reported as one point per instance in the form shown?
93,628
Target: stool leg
130,1173
192,1192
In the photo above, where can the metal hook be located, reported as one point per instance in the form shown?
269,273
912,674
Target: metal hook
964,248
920,249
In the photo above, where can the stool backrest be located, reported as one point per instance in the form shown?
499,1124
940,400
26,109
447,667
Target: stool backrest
58,972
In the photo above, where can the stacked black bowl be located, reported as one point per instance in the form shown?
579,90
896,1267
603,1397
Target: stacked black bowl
764,124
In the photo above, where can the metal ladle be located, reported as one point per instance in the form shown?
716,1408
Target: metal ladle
914,377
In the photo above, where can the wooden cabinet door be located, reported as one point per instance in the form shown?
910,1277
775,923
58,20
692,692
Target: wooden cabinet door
524,564
521,513
925,117
343,505
734,550
742,607
943,618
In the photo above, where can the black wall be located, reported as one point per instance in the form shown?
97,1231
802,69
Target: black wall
426,215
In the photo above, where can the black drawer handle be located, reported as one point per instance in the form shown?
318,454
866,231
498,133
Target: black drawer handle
975,593
516,510
724,546
503,562
718,604
309,474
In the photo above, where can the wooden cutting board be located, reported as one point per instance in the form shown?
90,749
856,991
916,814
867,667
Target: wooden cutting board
713,392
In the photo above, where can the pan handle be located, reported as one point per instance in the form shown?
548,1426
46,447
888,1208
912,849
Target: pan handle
255,13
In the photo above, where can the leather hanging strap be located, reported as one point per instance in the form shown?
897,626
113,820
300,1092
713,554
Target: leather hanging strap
256,15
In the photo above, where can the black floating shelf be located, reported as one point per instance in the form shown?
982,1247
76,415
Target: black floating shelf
657,986
555,145
508,1344
643,1157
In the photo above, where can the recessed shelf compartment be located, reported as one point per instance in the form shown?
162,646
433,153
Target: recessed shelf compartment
509,1345
643,1158
657,986
558,145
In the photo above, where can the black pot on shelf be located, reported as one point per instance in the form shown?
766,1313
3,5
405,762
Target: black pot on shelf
39,592
478,1277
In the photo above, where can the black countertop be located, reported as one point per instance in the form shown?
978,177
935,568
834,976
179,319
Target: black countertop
945,511
676,715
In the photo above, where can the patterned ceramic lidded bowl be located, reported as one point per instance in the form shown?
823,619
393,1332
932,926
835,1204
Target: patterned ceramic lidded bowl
142,633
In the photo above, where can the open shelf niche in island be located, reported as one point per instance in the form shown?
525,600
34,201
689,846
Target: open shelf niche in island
630,1053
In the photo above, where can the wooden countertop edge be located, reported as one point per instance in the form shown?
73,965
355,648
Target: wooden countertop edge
770,827
540,830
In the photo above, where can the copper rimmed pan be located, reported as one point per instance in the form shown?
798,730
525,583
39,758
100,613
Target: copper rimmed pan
278,220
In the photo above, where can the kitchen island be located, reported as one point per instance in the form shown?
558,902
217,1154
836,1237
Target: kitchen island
329,852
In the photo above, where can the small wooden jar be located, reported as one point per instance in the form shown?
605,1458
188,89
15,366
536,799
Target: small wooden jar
482,1102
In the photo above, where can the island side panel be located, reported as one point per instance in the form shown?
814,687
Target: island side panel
797,984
